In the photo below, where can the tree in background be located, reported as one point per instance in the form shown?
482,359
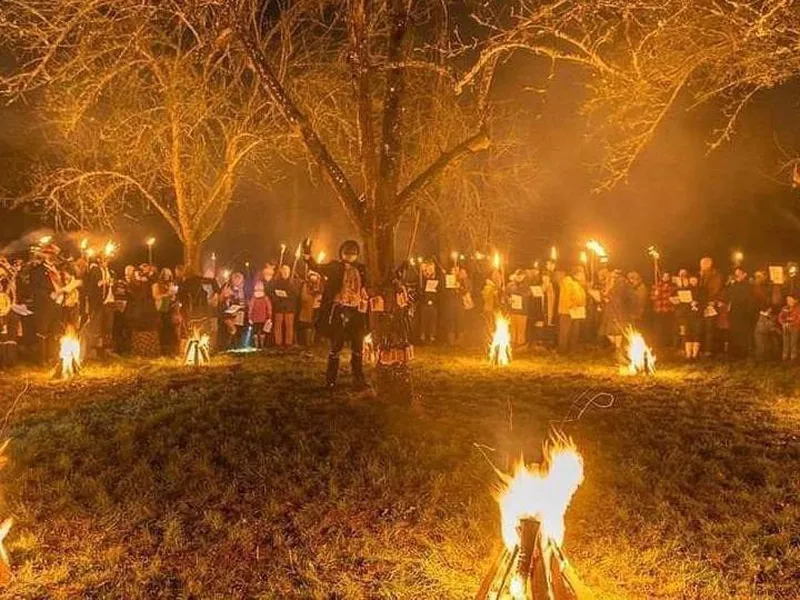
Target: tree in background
141,104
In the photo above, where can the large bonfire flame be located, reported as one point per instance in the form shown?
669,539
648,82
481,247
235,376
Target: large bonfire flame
640,357
500,348
533,502
198,350
69,356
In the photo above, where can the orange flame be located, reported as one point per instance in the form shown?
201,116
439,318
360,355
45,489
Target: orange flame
500,348
198,350
70,355
541,492
640,357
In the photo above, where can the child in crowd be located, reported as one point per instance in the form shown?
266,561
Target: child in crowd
260,314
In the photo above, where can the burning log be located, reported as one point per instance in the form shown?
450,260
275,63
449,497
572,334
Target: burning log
640,358
500,348
69,357
198,350
532,565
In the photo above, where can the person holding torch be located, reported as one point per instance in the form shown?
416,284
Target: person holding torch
342,314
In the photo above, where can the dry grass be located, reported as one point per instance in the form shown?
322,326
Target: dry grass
246,481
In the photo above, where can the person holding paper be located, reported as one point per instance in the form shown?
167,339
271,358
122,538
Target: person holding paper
431,286
690,318
711,286
571,309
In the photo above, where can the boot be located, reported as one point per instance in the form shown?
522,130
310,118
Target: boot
333,372
357,367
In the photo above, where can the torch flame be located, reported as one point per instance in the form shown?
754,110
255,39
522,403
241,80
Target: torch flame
496,261
597,248
640,357
553,254
321,257
110,248
500,348
84,243
70,355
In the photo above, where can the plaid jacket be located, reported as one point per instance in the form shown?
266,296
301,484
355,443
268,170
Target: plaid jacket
662,292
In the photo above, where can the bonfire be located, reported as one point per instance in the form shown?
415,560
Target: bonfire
198,349
639,356
69,357
500,348
533,502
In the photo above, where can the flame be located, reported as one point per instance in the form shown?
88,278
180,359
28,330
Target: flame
110,248
90,253
541,492
640,357
150,241
70,355
321,257
198,350
597,248
500,348
45,239
583,257
454,256
553,254
84,243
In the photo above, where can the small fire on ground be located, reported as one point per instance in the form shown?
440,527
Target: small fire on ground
533,501
198,350
500,348
69,357
639,356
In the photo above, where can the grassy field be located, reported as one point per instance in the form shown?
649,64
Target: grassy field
147,480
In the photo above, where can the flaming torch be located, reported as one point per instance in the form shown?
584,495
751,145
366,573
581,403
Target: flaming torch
149,242
321,257
641,360
110,249
198,350
69,357
553,253
500,348
533,502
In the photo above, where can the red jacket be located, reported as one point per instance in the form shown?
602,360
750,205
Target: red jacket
790,316
260,309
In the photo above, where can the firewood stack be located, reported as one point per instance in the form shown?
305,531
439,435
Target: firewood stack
522,573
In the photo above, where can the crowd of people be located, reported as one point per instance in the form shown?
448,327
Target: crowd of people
148,311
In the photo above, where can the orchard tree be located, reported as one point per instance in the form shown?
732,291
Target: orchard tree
142,105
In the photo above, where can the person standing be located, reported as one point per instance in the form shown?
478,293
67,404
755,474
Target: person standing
664,296
284,305
431,286
709,294
342,314
164,293
742,313
101,305
45,284
789,319
310,299
571,309
519,294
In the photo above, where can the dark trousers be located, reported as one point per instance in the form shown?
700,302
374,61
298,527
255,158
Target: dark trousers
569,333
346,327
428,321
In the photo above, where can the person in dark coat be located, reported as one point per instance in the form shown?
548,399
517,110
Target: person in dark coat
743,313
342,315
44,278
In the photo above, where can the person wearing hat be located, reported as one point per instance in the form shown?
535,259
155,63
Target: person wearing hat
342,315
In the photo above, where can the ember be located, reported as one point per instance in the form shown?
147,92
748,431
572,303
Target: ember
641,360
500,348
69,357
533,503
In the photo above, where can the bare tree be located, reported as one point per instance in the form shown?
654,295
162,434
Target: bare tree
143,104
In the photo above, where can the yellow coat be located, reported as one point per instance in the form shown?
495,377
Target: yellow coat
572,295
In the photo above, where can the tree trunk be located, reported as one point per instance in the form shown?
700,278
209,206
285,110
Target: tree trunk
192,251
379,254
